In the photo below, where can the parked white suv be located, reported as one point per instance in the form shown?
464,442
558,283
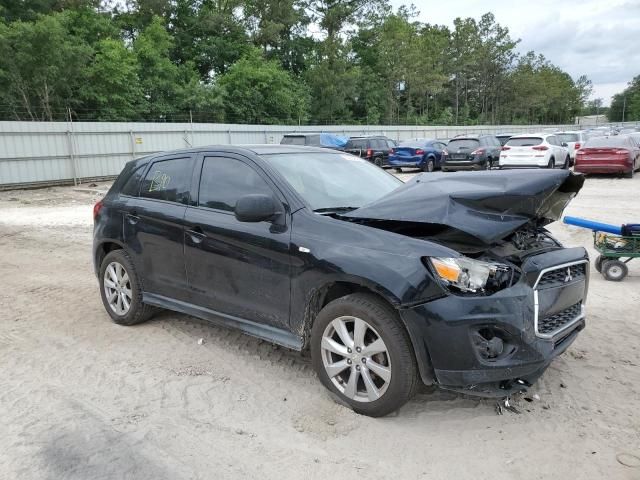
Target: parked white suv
574,140
542,150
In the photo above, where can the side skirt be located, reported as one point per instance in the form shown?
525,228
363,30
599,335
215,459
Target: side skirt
265,332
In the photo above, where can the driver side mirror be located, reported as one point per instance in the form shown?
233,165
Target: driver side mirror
256,208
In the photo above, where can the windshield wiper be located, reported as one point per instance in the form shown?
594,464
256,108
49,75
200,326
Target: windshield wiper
329,210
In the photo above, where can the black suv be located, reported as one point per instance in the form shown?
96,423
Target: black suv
471,152
375,149
285,244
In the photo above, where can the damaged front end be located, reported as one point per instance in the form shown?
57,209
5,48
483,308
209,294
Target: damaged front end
515,295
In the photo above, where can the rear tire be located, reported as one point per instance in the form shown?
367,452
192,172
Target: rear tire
122,294
552,163
381,329
629,174
378,161
598,263
429,166
398,170
487,164
614,270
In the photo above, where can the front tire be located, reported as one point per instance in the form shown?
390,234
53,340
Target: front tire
567,163
121,290
363,355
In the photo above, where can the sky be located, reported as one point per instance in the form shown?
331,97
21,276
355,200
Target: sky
598,38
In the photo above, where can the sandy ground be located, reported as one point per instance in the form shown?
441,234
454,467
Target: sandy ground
83,398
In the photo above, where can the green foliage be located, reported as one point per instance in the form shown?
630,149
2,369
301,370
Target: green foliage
112,86
625,106
257,61
41,69
257,90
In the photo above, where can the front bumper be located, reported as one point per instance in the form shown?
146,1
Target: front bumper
445,331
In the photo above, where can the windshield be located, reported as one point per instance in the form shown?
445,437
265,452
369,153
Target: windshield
524,142
567,137
333,180
607,142
466,143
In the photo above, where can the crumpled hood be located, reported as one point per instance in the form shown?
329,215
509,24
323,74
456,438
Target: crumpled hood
486,205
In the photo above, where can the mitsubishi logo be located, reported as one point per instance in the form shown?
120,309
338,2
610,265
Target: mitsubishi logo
568,278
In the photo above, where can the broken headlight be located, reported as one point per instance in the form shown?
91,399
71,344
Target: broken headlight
469,275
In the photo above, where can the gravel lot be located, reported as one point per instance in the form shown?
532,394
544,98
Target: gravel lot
83,398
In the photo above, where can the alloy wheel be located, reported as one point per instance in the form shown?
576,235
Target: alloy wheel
356,359
117,288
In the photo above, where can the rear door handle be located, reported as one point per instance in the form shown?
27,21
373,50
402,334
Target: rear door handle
132,218
196,234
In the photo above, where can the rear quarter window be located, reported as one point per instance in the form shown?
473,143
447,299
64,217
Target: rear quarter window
131,185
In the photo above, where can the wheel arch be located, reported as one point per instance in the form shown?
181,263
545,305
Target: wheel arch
102,249
341,288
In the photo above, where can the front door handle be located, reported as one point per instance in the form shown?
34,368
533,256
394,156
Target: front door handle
196,234
132,218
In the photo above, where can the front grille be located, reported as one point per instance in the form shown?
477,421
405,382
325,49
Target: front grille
555,322
563,276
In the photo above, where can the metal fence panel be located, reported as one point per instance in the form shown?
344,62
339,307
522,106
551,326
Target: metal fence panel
44,153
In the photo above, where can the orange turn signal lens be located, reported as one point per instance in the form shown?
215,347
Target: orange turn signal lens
446,270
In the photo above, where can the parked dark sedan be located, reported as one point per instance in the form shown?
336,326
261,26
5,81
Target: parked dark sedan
421,153
451,279
471,152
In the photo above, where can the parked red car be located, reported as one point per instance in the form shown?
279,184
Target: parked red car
619,154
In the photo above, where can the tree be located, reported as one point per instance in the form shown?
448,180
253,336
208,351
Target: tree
41,68
159,76
207,33
279,27
113,89
625,106
256,90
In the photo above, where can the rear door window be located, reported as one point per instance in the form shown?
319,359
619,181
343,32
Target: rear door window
225,180
169,180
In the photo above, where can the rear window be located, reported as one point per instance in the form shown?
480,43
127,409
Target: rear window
413,144
607,142
291,140
464,143
524,142
568,137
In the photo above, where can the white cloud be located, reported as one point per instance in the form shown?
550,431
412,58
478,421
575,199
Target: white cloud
592,37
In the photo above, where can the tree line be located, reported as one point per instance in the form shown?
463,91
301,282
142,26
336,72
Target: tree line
625,106
270,61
